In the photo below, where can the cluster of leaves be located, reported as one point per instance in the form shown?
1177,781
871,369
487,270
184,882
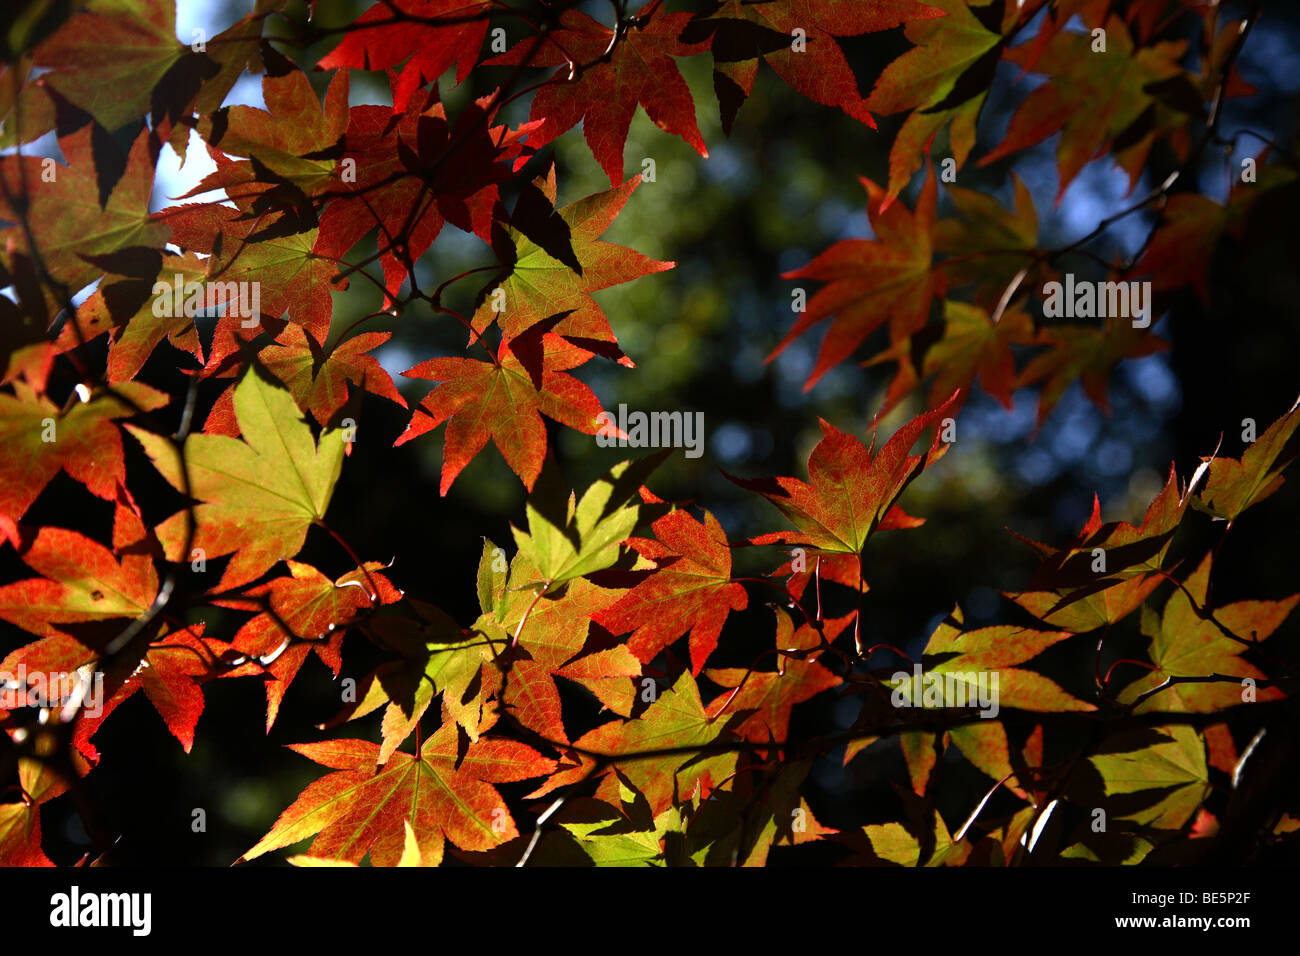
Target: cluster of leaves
613,591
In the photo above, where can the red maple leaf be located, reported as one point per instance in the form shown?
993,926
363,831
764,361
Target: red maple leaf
394,30
690,589
504,401
409,172
442,793
850,494
603,81
39,440
872,282
304,613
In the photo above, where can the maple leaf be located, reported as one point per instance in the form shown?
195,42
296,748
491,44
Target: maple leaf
381,38
1091,609
411,855
608,77
20,822
436,657
809,60
358,808
1182,248
1233,486
134,321
850,494
1104,555
1094,97
409,172
540,286
553,634
769,696
81,581
972,347
1174,766
504,401
840,568
979,654
267,249
293,142
458,671
112,59
676,719
989,243
318,379
690,588
610,837
75,227
235,50
984,743
568,540
169,672
98,586
920,753
1186,644
25,351
304,613
83,441
871,282
257,496
720,829
943,80
894,843
1085,353
725,828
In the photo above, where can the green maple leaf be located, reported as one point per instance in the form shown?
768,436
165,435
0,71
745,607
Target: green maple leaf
109,58
257,496
893,842
63,207
564,542
989,651
626,834
675,721
944,79
1092,610
540,285
435,657
1183,644
1233,486
1176,763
